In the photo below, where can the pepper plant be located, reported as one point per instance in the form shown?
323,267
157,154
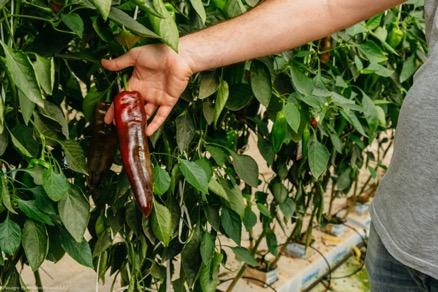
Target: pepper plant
314,110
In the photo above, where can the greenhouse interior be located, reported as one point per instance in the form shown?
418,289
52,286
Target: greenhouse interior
218,145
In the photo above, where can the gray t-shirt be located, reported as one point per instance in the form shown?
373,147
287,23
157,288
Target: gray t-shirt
405,210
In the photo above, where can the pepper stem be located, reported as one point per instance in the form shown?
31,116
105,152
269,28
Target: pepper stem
125,82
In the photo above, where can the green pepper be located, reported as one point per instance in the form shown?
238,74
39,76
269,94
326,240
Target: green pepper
306,139
34,162
279,131
395,36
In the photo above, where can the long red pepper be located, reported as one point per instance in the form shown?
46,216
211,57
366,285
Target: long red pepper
131,122
102,146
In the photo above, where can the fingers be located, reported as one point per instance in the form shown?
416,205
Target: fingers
158,120
150,109
109,116
119,63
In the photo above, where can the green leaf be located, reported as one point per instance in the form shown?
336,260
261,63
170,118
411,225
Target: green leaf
218,154
104,32
25,135
27,107
89,104
209,273
217,188
249,218
55,184
130,23
191,258
147,6
199,8
35,243
45,73
279,191
2,116
233,196
370,111
20,68
293,116
55,113
208,111
195,175
30,208
409,68
205,164
301,82
231,224
74,213
10,236
207,247
161,180
378,69
245,256
261,82
318,158
212,214
79,251
344,180
266,150
43,128
374,22
208,84
4,141
246,168
165,26
103,242
234,8
185,131
240,97
74,22
252,3
288,208
352,119
104,7
223,93
264,210
20,146
337,143
271,241
6,195
162,223
373,52
74,156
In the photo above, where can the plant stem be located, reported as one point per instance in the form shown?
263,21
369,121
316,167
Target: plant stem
38,282
332,199
243,267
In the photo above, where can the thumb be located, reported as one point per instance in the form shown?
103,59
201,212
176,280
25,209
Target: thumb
119,63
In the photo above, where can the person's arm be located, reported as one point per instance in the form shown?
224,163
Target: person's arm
161,75
272,27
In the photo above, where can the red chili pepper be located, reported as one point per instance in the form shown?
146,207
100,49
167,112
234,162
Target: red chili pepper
326,46
313,122
131,122
102,146
56,6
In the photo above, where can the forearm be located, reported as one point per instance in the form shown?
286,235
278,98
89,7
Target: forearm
272,27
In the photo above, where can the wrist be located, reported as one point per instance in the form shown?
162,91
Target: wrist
188,52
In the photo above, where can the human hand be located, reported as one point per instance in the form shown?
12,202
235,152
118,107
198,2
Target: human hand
160,75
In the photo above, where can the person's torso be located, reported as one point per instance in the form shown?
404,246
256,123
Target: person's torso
405,210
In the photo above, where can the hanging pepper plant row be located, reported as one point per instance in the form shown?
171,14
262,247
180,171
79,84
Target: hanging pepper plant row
314,111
